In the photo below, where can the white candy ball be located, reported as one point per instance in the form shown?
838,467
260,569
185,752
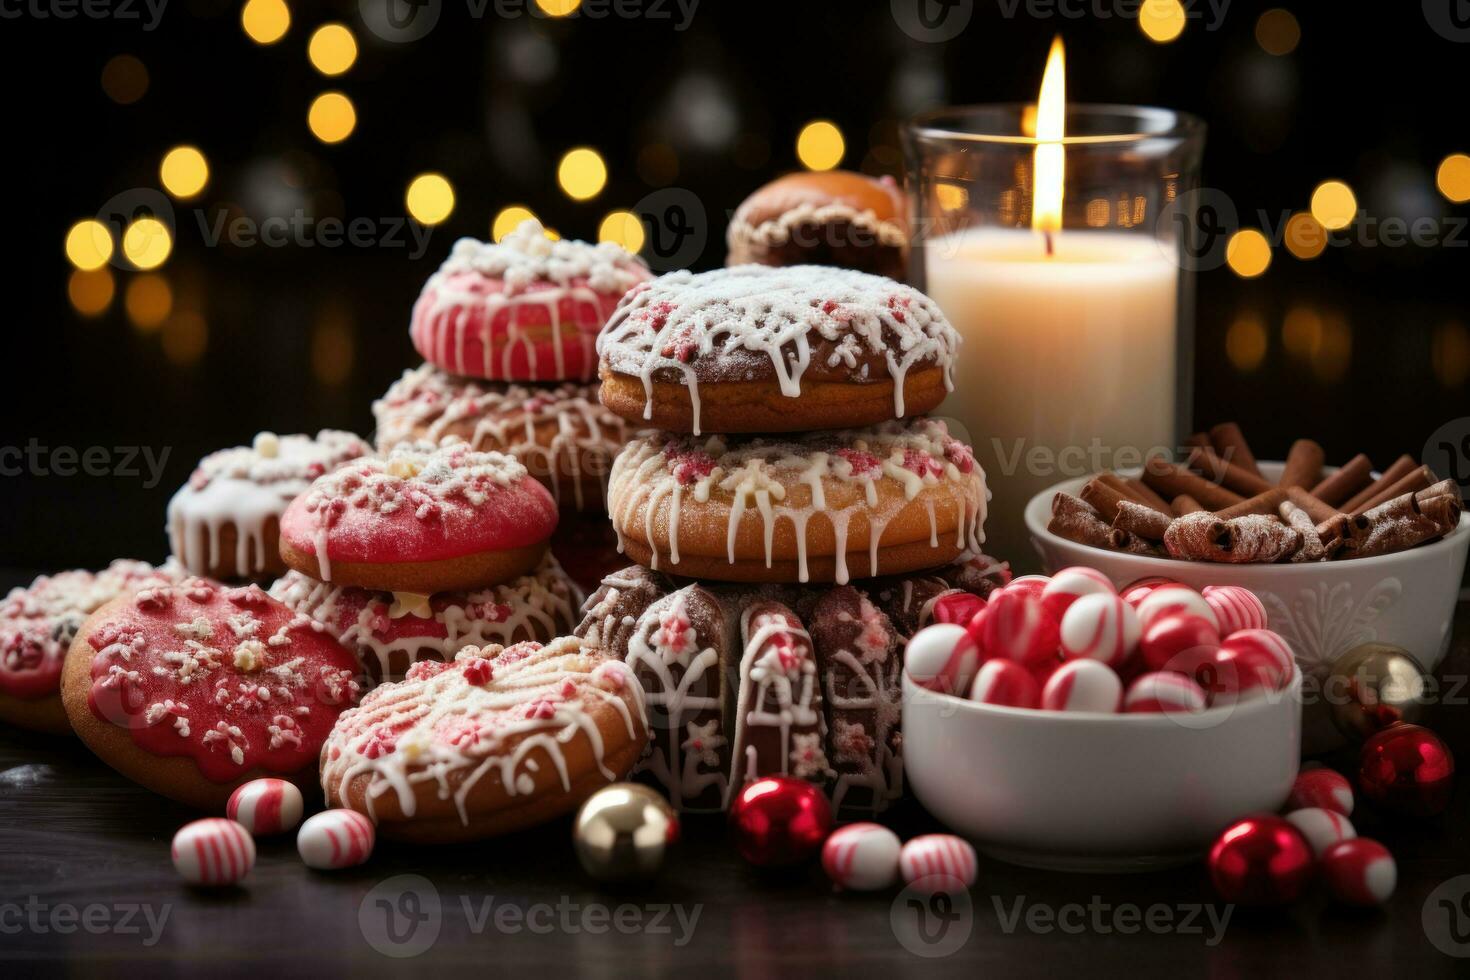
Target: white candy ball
1164,691
862,857
213,851
336,839
1101,627
938,863
1174,598
1322,828
943,657
1069,585
266,806
1082,685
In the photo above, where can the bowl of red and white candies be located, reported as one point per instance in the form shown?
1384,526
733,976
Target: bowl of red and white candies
1066,724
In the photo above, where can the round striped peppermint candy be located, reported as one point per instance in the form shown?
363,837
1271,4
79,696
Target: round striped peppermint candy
1324,788
862,857
1173,597
942,657
1006,683
1322,828
1082,685
336,839
1135,592
1264,645
1359,872
1100,626
213,851
1164,691
266,806
1236,608
1071,584
938,863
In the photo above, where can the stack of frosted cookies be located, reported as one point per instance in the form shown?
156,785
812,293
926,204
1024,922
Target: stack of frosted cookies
508,332
796,480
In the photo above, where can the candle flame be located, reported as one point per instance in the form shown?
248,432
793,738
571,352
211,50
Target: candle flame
1050,159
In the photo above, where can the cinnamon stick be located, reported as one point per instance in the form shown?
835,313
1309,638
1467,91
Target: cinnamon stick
1185,504
1103,496
1144,522
1229,443
1169,481
1406,522
1319,511
1400,468
1412,482
1303,465
1351,477
1262,503
1145,494
1075,520
1217,469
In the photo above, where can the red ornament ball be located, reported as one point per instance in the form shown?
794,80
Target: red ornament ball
780,820
1261,860
1359,872
1407,769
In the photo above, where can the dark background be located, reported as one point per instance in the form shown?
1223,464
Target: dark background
296,338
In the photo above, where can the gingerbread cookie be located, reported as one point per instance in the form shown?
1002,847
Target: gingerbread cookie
757,349
38,624
827,506
526,309
830,217
498,739
224,522
391,633
561,434
420,520
194,689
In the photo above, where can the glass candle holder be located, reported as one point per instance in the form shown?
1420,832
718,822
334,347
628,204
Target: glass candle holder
1078,331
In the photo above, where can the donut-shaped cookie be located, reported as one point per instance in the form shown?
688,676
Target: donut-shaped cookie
830,217
757,349
826,507
421,519
38,624
526,309
391,633
194,689
225,521
561,434
499,739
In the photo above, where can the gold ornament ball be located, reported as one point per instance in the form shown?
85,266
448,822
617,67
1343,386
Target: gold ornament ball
1374,685
623,832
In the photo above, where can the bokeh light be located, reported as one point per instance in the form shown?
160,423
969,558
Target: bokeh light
1334,354
623,228
820,146
582,174
184,171
509,219
90,291
1305,237
558,8
1334,204
146,243
333,348
1161,20
185,337
332,117
1245,342
1450,354
332,49
1277,32
124,79
265,21
148,301
1301,331
88,244
1453,177
1248,252
430,198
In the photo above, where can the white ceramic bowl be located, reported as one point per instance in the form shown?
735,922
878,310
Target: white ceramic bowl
1098,792
1323,609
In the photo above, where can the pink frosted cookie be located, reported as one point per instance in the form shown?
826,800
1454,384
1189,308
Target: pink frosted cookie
526,309
421,520
562,434
37,625
760,349
496,740
194,689
223,523
391,633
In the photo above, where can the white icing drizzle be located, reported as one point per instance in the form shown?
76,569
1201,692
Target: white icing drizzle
690,324
779,229
247,487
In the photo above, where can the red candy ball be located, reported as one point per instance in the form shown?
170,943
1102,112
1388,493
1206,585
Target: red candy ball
1005,683
1323,788
1407,769
1027,584
1181,642
1016,626
1243,668
1261,860
957,607
780,820
1359,872
1136,592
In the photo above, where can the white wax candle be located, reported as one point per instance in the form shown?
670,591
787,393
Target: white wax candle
1068,361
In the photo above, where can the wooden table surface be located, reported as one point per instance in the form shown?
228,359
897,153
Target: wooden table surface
86,887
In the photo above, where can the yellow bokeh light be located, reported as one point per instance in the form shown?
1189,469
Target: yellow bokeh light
89,244
430,198
90,290
1161,20
149,300
332,49
1277,32
820,146
1305,237
1334,355
1248,252
1451,354
124,79
1245,342
509,219
184,171
185,336
333,348
146,243
558,8
951,197
623,228
582,174
1334,204
332,117
1453,177
265,21
1301,331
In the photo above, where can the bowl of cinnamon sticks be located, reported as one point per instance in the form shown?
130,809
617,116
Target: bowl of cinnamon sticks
1339,556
